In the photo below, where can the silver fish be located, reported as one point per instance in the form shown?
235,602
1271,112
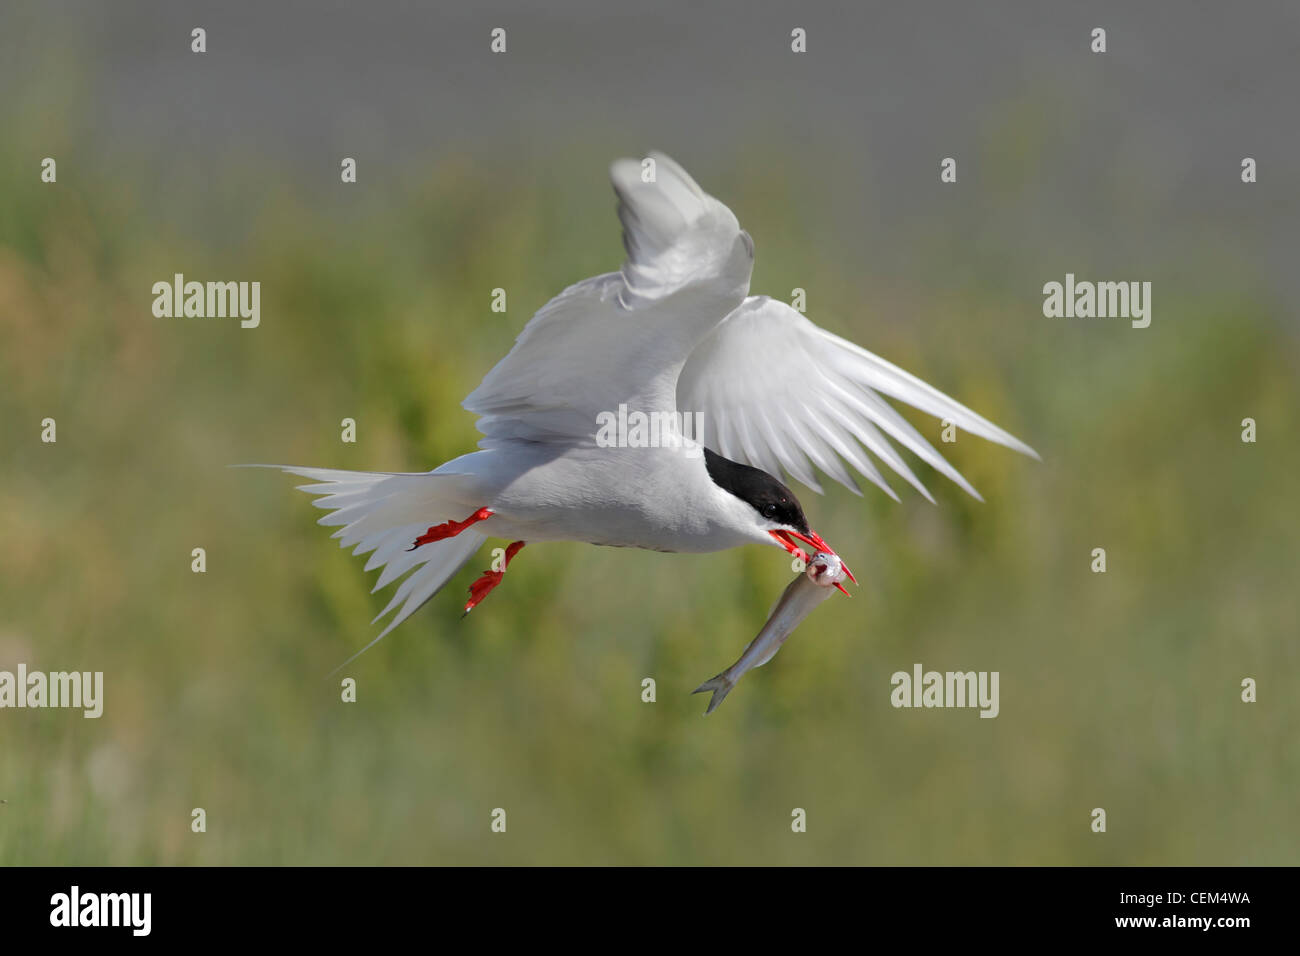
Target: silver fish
824,572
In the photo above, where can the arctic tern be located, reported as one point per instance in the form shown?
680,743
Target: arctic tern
673,332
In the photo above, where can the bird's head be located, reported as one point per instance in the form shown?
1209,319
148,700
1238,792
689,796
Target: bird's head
776,509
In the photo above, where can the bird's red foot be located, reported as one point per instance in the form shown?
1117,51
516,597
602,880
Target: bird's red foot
488,580
449,529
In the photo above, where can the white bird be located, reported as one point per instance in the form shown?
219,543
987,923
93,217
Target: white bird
674,331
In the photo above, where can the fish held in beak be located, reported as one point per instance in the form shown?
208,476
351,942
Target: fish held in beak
825,570
817,542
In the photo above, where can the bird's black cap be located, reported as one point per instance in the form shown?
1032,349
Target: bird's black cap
771,499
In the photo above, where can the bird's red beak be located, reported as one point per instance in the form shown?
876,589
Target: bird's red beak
813,540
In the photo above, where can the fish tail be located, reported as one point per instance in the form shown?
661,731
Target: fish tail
721,687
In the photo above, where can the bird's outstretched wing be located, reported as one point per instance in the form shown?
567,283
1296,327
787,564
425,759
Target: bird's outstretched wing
777,391
676,235
623,337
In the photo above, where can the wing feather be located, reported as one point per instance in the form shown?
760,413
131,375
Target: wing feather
774,388
623,337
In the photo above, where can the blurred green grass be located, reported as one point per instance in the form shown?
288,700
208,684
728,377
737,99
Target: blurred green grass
1118,690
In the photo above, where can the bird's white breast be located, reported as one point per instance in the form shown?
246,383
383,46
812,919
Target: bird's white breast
656,498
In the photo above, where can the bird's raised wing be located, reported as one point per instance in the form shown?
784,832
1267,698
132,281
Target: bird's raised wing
623,337
777,391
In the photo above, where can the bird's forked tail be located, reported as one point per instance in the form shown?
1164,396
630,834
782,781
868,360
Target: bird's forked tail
382,514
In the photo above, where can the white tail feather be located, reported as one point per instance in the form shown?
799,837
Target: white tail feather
381,514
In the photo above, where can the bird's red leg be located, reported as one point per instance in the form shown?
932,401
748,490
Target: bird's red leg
486,581
449,529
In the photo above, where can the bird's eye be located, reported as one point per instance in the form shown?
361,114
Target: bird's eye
769,511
